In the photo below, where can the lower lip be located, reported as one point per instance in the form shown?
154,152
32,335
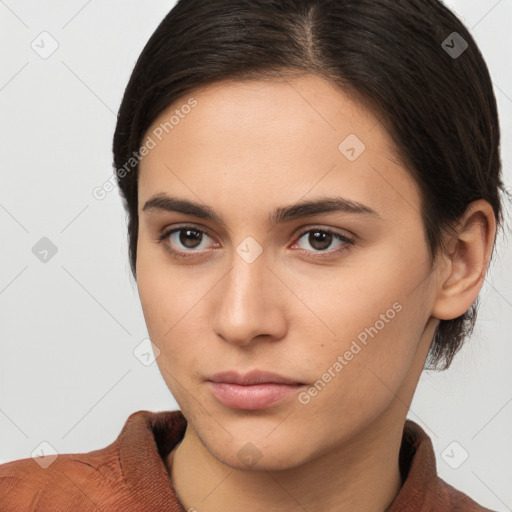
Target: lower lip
256,396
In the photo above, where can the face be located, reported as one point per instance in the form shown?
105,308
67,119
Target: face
335,297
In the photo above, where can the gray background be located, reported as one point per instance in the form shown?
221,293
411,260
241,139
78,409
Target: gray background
69,326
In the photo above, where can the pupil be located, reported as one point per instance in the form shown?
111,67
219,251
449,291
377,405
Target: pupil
323,238
189,242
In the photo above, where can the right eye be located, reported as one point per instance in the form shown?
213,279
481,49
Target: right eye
188,237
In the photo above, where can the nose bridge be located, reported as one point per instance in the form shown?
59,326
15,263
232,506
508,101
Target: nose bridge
247,304
245,286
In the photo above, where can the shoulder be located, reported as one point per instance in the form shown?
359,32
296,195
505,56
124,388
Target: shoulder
458,501
72,481
423,488
69,480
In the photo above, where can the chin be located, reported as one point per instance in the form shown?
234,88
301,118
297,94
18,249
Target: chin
251,452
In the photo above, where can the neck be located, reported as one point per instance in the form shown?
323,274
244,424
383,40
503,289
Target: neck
361,477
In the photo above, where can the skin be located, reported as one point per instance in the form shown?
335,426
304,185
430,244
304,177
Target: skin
245,149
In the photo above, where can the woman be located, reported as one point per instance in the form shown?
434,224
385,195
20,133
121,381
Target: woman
312,212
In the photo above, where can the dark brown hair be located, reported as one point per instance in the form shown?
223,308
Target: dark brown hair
401,58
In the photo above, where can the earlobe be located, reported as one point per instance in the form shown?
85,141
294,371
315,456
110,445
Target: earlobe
468,258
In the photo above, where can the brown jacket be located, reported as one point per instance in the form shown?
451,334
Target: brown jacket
130,474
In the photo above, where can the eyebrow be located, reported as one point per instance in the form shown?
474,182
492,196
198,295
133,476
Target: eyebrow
164,203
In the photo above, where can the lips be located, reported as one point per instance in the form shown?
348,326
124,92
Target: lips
254,390
253,377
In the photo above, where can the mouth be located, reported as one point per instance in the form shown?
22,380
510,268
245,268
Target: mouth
254,390
251,378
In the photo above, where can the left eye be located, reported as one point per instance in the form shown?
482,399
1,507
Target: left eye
321,239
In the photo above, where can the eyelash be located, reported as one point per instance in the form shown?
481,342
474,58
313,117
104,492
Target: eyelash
321,254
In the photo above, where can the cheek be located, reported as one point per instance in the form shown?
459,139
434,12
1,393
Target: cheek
358,380
377,324
171,303
166,293
359,303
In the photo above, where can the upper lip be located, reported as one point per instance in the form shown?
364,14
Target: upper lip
253,377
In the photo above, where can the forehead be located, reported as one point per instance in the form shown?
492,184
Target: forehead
305,105
293,135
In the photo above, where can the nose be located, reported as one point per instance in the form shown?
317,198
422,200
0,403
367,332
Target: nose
250,303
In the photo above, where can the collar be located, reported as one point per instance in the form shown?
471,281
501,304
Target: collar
148,437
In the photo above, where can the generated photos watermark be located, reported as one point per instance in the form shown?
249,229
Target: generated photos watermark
100,192
342,361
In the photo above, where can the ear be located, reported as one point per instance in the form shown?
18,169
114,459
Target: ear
467,257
